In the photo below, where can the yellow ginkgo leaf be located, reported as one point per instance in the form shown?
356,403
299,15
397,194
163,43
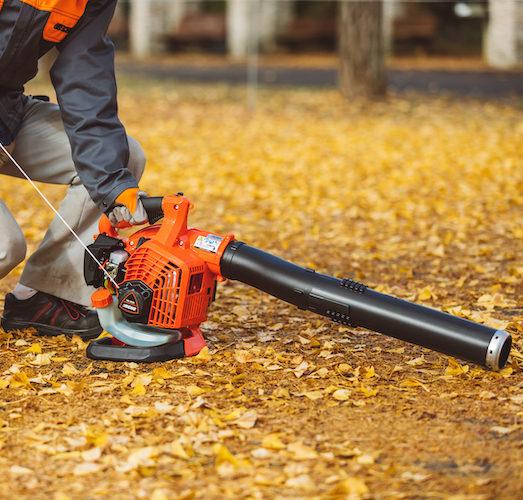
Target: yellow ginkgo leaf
69,369
455,368
178,450
161,373
367,392
341,394
35,348
232,415
19,380
302,452
159,494
425,294
272,442
204,354
313,394
224,455
194,390
139,389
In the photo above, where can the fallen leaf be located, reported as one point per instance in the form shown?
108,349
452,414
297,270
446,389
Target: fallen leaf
18,470
163,407
92,455
242,312
41,360
69,369
204,354
455,368
313,395
303,481
194,390
301,369
503,430
139,389
302,452
224,455
86,468
35,348
178,450
247,420
350,486
341,394
272,442
159,494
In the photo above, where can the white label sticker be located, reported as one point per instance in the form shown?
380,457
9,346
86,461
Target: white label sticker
209,243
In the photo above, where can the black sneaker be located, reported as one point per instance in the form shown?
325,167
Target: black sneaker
50,316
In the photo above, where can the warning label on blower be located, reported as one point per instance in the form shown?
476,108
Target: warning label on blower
130,304
209,243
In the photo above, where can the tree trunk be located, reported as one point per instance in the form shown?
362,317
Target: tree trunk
238,28
139,28
362,64
504,44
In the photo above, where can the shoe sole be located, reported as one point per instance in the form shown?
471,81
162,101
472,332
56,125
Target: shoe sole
10,325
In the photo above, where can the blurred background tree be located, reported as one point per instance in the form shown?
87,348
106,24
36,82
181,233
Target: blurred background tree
361,50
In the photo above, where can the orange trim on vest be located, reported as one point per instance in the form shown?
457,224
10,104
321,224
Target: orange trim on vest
64,14
1,3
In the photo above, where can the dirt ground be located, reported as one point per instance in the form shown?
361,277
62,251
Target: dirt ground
417,198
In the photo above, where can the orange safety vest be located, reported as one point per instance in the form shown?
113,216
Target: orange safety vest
64,14
28,29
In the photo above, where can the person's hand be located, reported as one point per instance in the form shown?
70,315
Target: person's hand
128,210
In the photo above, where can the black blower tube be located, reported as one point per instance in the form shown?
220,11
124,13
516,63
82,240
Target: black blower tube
351,303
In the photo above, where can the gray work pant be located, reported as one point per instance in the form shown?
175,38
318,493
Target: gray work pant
43,150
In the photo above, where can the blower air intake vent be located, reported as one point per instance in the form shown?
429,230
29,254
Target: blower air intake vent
181,294
194,305
165,297
163,277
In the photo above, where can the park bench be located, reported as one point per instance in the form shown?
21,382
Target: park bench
415,27
307,31
207,29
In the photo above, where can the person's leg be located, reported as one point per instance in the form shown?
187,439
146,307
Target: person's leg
42,149
12,244
56,268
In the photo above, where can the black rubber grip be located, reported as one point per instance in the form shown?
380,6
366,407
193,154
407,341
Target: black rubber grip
153,207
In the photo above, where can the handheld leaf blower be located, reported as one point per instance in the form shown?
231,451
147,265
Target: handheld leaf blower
163,280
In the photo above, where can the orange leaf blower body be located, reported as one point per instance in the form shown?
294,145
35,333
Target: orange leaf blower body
161,281
167,282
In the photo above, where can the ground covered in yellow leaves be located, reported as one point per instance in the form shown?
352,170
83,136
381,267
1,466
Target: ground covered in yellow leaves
419,198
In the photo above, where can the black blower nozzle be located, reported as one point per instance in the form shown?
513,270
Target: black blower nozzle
351,303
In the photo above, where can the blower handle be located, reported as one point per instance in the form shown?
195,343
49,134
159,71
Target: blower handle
153,207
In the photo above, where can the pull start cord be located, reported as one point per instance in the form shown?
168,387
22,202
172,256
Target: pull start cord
15,163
